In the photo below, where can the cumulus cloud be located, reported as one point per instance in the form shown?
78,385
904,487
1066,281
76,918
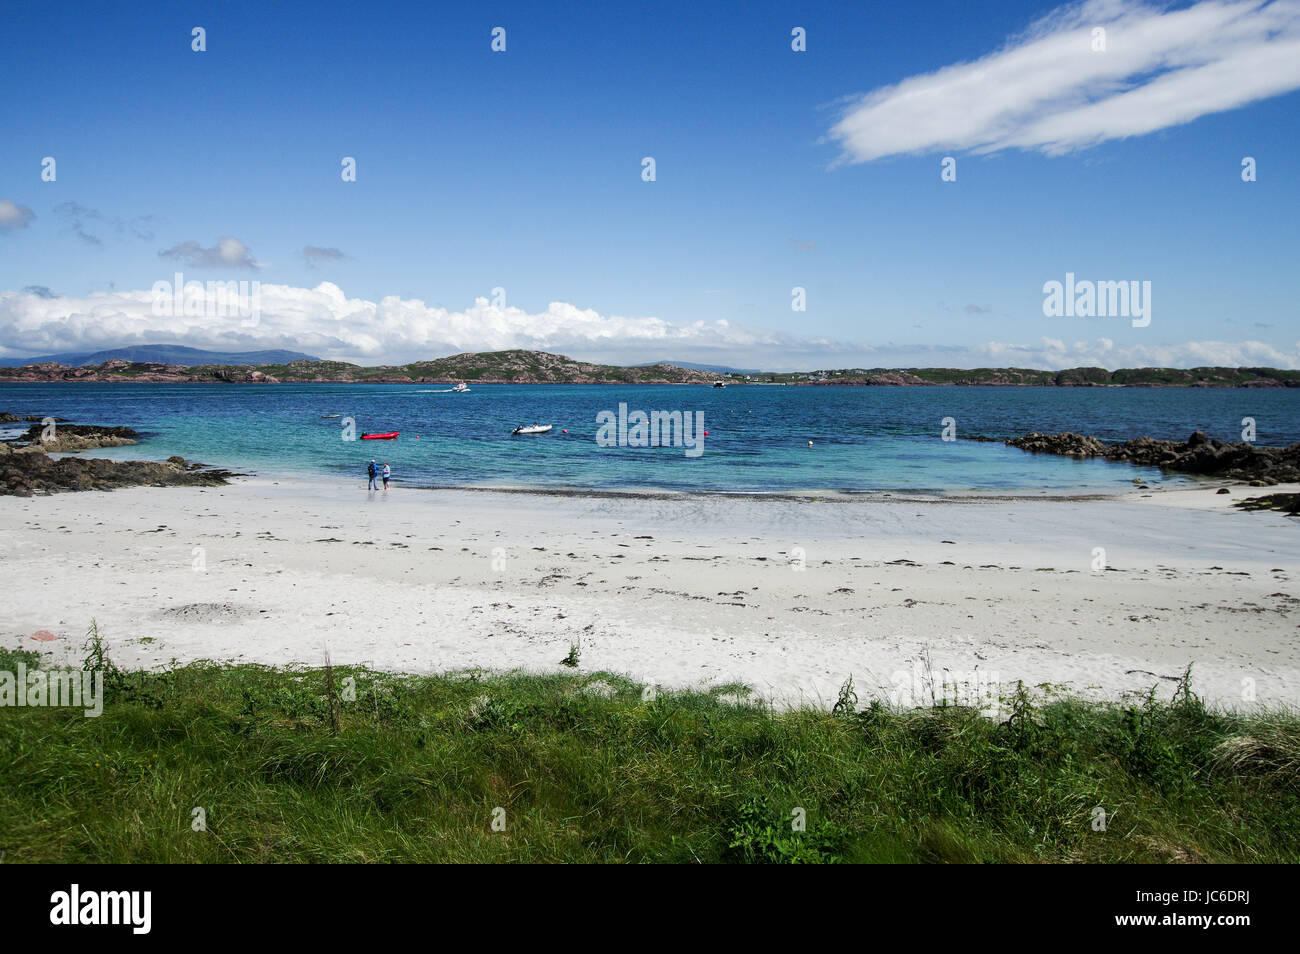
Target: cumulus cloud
1054,353
1049,90
325,322
228,253
14,216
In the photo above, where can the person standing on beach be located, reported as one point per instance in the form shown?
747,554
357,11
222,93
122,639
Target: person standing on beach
373,472
387,474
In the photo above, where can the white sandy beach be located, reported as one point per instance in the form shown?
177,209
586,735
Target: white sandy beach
675,591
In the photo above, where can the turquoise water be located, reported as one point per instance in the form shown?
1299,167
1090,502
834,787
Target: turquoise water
864,439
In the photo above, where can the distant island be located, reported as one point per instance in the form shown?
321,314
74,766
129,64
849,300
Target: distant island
540,367
161,354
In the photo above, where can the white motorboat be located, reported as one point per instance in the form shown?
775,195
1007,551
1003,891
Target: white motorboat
460,388
534,429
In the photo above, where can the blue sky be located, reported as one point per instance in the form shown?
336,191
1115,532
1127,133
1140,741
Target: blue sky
522,170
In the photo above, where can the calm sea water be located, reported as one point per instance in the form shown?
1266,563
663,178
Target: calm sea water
864,439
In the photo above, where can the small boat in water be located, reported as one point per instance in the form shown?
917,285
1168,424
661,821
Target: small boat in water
329,415
391,435
719,384
460,388
535,429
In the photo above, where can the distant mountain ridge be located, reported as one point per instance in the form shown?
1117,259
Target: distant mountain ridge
539,367
502,367
161,354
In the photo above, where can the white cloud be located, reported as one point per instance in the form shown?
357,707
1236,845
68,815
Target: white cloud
325,322
14,216
228,253
1054,354
1049,90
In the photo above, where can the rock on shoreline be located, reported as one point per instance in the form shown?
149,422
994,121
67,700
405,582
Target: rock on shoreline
27,471
7,418
71,438
1199,454
1286,503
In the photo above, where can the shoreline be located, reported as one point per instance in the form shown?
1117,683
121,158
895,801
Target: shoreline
779,594
810,495
1177,482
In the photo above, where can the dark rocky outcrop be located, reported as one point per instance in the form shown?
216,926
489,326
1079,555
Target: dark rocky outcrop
26,471
1287,503
7,418
71,438
26,467
1199,454
1066,443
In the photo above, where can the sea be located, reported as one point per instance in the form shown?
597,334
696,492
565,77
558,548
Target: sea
760,439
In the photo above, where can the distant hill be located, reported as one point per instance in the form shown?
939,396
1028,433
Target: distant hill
161,354
1067,378
715,368
533,367
540,367
498,367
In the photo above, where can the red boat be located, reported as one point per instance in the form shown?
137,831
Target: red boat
380,437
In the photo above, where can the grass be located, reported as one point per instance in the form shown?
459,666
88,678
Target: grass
350,765
575,655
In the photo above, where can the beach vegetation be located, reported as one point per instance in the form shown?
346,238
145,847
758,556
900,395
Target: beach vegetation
347,764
